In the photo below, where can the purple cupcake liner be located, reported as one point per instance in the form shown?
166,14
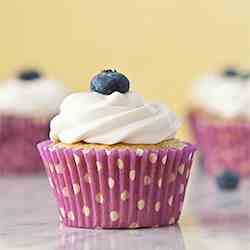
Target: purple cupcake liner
19,136
223,146
118,188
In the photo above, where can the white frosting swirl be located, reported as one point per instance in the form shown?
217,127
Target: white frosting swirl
40,97
225,96
110,119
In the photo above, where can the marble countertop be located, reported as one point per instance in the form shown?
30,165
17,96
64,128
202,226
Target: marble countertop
211,220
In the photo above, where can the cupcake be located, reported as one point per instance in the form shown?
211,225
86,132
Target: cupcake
220,121
113,160
27,105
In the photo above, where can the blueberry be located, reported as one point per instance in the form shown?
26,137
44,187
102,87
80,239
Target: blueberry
109,81
29,75
228,180
230,72
245,76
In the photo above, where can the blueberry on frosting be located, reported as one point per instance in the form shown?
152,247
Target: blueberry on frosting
29,75
109,81
228,180
230,72
245,76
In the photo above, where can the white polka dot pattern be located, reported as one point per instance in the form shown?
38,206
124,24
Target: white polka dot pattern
71,215
114,216
153,158
140,204
99,198
65,192
86,211
171,221
132,175
181,169
157,206
87,178
139,152
98,166
120,164
164,160
124,195
111,182
159,183
108,152
147,180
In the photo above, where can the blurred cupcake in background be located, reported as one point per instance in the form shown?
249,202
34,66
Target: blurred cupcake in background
27,105
219,120
116,162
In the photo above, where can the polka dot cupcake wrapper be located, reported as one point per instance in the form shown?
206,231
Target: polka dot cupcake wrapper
120,188
223,146
19,137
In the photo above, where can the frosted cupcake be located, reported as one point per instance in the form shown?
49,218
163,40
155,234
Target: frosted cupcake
113,160
26,108
220,121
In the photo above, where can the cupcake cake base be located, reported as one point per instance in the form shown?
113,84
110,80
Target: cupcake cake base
118,186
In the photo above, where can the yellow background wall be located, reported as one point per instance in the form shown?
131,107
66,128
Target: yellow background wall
161,45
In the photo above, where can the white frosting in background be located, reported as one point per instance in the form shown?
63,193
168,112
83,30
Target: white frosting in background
110,119
228,97
37,98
